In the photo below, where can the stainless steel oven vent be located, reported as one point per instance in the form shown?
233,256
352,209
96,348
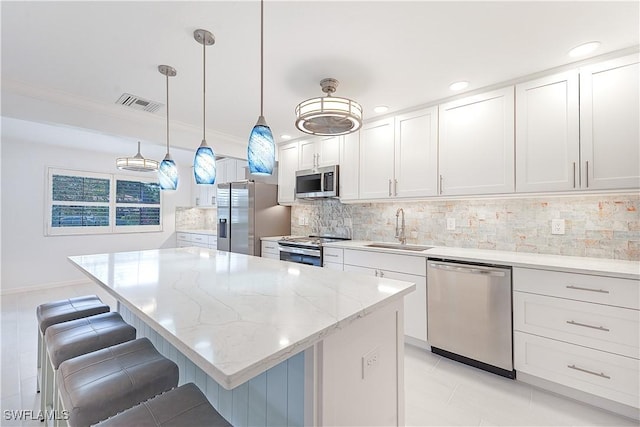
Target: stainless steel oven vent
138,103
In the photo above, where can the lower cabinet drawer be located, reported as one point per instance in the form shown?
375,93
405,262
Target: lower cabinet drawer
602,374
602,327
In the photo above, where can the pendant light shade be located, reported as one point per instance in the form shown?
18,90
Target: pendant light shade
204,163
168,171
262,149
137,163
261,153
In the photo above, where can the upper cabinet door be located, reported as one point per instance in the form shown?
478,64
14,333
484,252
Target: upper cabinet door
609,128
349,168
477,144
307,154
287,166
329,150
547,134
416,154
376,159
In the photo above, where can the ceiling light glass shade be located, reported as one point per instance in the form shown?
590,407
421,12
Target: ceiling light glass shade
261,153
137,163
328,115
204,165
584,49
458,85
168,174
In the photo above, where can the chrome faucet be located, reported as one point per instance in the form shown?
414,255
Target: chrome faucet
400,230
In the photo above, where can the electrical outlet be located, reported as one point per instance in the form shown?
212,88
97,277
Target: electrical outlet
451,224
557,226
301,220
369,362
306,220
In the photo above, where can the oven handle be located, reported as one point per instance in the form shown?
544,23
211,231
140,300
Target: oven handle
300,251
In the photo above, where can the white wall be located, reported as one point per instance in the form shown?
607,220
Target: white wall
29,258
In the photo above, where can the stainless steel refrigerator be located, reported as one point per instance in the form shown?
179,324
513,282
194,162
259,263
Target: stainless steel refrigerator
247,211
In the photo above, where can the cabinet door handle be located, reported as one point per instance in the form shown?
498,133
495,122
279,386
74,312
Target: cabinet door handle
376,273
578,288
395,187
587,172
389,188
600,328
440,191
601,374
574,174
381,273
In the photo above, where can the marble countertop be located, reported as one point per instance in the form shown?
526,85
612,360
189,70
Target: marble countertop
234,315
199,231
597,266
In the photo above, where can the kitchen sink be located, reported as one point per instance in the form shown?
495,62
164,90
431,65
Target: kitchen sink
416,248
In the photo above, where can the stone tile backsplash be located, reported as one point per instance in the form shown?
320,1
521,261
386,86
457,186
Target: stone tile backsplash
192,218
601,226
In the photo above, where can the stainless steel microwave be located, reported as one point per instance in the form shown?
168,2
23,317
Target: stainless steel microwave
317,183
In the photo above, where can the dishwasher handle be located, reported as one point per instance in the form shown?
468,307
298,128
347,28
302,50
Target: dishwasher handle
469,269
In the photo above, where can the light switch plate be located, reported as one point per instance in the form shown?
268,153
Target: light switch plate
557,226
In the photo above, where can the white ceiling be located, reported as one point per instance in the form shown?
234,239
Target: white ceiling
401,54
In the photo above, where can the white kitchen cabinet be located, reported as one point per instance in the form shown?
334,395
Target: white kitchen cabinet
398,267
318,152
203,195
609,124
376,159
416,154
579,331
269,249
287,167
547,134
186,239
349,167
476,147
332,258
230,170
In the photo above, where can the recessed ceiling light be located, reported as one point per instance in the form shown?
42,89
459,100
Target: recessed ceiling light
381,109
584,49
458,85
285,136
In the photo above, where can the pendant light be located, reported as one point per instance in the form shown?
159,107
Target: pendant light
137,163
168,171
261,153
328,115
204,164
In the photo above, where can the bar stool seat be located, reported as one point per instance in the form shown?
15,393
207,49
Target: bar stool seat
182,406
74,338
54,312
98,385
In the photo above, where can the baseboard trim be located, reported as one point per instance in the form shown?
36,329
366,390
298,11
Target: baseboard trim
43,286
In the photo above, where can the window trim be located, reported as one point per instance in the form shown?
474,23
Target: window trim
112,228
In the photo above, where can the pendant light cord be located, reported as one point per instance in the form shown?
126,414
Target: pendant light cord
204,88
261,57
167,76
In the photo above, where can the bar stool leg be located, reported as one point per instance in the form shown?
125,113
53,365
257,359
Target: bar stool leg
39,362
46,395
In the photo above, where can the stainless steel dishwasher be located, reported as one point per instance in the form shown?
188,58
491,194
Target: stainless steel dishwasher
469,314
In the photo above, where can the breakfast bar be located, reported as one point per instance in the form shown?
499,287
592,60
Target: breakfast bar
268,342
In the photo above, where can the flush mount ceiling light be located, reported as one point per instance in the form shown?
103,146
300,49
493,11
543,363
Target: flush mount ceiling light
584,49
168,171
458,85
261,152
204,163
380,109
328,115
137,163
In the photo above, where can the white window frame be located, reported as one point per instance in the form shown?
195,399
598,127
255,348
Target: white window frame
112,228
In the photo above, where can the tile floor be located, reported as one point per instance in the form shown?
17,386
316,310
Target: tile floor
438,391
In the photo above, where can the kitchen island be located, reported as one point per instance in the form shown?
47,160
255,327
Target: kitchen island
268,342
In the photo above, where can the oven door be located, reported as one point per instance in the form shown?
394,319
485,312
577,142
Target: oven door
301,255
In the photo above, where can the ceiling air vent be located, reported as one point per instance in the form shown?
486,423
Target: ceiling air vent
137,103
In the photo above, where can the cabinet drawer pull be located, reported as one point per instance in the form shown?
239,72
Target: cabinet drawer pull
601,374
602,291
600,328
331,255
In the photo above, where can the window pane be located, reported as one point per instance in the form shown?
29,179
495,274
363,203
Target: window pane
137,216
79,216
137,192
80,189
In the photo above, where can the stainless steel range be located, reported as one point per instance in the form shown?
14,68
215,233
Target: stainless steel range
305,250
